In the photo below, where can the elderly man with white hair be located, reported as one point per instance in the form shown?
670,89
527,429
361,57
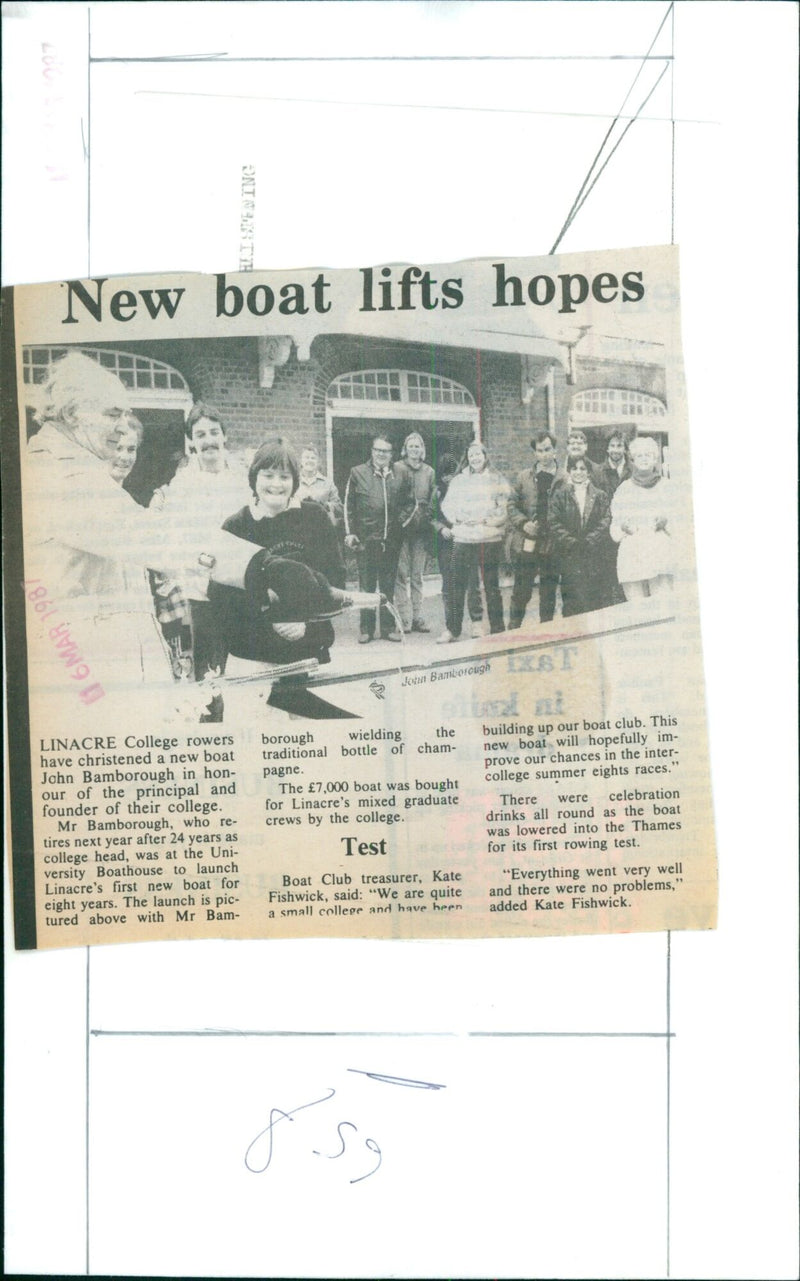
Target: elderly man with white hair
90,543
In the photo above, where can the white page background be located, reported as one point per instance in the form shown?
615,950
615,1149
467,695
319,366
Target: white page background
531,1188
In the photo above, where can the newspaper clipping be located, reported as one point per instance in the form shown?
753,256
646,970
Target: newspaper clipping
354,603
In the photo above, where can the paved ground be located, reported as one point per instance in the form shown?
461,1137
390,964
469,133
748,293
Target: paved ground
416,648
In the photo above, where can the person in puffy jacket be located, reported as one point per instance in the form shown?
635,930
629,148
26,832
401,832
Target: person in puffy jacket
531,547
476,505
579,520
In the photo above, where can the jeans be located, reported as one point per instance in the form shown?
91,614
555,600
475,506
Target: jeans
474,602
469,559
410,569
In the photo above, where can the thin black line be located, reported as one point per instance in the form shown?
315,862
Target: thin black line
88,1101
672,118
576,204
669,935
88,1040
222,59
236,1033
631,122
629,1035
15,601
669,1036
406,106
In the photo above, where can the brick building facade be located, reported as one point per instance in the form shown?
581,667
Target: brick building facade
346,387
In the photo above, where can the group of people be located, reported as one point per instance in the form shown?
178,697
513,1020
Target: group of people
102,555
600,533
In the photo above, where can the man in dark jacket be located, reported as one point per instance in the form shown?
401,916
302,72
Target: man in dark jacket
531,550
378,504
577,447
616,468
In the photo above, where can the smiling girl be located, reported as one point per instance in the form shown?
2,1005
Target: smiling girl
301,531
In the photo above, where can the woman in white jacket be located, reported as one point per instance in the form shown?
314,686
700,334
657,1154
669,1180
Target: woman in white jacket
476,506
642,523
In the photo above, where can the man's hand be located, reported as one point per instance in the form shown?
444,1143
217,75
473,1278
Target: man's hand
530,528
352,541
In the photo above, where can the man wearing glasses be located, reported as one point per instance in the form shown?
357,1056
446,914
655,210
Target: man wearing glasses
378,504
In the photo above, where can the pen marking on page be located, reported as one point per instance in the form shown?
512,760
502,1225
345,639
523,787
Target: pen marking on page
398,1080
260,1151
276,1115
370,1144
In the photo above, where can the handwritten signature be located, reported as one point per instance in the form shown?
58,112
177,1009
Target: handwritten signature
261,1149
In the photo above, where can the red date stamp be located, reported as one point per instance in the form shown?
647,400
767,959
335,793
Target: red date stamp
66,647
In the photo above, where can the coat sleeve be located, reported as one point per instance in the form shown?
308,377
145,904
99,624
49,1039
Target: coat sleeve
600,518
426,498
618,514
558,519
407,502
327,552
333,503
517,504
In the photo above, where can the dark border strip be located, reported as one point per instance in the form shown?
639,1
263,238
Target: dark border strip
19,728
88,1107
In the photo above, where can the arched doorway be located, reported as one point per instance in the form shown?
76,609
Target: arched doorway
395,402
160,397
602,411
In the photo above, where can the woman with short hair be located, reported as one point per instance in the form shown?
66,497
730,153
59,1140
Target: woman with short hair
293,530
476,505
578,519
642,524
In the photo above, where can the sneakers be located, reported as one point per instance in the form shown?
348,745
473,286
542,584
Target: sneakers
392,636
445,638
477,630
364,638
419,626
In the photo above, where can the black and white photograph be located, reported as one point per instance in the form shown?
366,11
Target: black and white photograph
401,796
414,501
